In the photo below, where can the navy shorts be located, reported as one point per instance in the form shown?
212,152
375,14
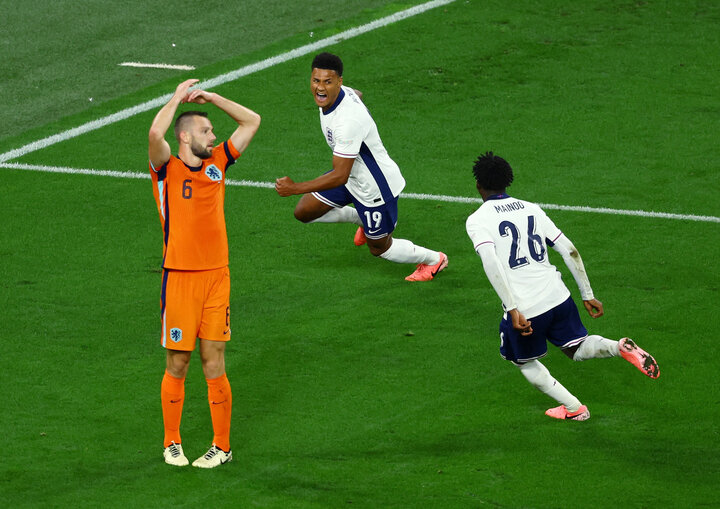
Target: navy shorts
378,222
561,326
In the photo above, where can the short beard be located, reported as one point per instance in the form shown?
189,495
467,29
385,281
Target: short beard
201,152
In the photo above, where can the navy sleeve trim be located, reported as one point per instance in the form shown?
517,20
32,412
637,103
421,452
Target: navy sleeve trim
231,159
162,172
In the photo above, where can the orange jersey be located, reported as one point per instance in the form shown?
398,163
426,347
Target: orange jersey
191,203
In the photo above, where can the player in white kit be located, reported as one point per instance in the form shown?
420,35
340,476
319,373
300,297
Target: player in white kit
512,236
362,174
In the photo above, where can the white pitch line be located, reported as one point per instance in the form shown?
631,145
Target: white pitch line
159,66
74,171
412,196
224,78
573,208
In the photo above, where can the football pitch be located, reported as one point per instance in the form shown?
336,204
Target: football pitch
351,386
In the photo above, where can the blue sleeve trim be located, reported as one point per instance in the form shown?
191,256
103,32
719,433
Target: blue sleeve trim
230,158
162,172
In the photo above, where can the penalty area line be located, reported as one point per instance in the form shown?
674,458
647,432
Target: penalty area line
411,196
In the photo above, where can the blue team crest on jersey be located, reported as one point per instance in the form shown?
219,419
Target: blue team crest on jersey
213,173
329,135
176,335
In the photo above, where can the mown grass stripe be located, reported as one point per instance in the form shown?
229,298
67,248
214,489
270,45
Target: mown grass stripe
222,79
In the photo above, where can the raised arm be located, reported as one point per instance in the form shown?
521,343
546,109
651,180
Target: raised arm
248,121
158,147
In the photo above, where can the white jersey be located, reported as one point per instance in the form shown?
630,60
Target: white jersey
520,233
351,133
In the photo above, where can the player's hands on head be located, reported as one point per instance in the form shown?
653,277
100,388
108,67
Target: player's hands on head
182,89
199,97
284,186
594,308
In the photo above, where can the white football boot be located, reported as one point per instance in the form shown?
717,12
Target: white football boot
213,458
174,455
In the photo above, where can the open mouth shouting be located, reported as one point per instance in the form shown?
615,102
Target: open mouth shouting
325,85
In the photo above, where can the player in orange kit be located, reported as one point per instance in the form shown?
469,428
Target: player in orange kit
195,299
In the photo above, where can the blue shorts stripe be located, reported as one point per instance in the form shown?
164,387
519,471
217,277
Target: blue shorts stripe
327,201
163,291
163,302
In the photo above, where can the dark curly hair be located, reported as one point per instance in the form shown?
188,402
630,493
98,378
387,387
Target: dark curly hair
492,173
328,61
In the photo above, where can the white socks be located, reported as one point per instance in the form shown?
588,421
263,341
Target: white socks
596,347
404,251
539,376
340,215
401,251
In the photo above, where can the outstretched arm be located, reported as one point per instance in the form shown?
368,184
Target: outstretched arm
158,148
574,262
337,177
248,121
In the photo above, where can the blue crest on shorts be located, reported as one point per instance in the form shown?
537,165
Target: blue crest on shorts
213,173
176,335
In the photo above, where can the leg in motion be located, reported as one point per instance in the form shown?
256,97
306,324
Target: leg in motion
539,376
638,357
429,263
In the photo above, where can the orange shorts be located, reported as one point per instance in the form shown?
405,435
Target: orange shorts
194,304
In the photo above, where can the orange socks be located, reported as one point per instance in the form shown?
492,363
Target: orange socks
220,399
172,395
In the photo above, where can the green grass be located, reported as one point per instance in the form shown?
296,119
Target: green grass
351,387
61,57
